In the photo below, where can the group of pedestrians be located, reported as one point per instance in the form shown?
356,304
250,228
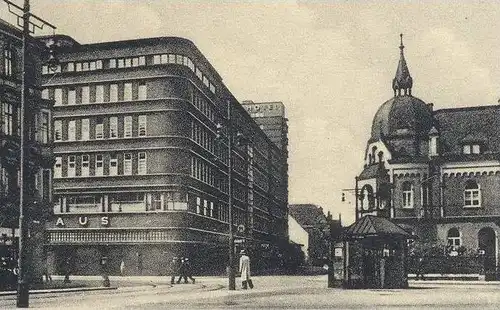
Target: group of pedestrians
182,268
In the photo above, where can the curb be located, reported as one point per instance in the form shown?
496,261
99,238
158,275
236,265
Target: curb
61,290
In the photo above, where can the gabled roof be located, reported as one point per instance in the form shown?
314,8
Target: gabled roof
370,225
307,214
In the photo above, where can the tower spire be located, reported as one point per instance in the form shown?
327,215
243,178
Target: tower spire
402,80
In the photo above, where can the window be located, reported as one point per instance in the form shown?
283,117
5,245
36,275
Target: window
113,127
142,60
127,94
71,96
141,132
43,127
99,129
121,63
58,167
476,149
8,118
85,94
70,66
128,62
128,202
472,194
211,209
127,127
113,165
92,65
71,130
127,164
113,93
71,165
58,97
85,66
407,195
471,149
198,205
85,129
78,66
8,62
205,207
45,93
98,64
98,165
156,60
135,62
57,130
83,204
142,163
454,239
85,165
156,201
99,93
433,146
164,58
142,91
112,63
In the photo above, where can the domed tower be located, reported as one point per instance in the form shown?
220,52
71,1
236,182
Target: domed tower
403,122
399,138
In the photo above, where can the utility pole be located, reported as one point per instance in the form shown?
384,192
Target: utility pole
232,272
23,14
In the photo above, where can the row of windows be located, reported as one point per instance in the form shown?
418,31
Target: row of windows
203,106
10,117
472,194
102,128
96,93
93,164
8,60
202,136
129,62
123,202
202,171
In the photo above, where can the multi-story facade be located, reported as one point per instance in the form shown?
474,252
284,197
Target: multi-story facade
141,170
434,172
37,132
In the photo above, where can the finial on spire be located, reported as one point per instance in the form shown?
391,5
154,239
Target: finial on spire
403,80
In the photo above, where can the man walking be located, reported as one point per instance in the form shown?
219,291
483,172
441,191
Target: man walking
245,270
175,266
185,271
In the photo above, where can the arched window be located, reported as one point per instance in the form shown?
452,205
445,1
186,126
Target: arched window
374,150
454,238
367,198
472,194
407,189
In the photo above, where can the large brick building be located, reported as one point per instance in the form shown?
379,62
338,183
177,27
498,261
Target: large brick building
140,174
434,172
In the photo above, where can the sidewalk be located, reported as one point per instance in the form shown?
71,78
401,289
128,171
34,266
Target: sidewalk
94,283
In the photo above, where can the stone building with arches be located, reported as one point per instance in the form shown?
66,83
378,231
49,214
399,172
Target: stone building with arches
434,172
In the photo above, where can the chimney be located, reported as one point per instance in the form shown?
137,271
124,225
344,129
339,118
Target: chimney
431,106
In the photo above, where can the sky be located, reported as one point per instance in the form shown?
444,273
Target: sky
330,62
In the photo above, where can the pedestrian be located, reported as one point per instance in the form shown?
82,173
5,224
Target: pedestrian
246,281
185,271
122,268
67,270
419,273
175,266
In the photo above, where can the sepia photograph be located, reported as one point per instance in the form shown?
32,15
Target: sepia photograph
249,154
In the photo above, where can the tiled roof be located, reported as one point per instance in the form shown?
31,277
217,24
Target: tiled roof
307,214
465,125
370,225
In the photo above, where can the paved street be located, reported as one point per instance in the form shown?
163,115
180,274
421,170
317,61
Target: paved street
270,292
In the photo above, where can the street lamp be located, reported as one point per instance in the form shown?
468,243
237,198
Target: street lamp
239,137
23,14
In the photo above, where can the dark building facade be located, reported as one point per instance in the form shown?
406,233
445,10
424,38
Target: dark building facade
37,144
317,224
141,173
434,172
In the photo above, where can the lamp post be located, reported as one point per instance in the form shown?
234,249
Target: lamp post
231,263
23,14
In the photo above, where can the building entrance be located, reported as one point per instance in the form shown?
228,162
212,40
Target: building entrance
487,242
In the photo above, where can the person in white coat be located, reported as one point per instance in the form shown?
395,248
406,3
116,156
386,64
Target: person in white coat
245,270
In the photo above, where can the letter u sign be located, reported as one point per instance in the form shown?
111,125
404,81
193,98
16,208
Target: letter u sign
83,220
